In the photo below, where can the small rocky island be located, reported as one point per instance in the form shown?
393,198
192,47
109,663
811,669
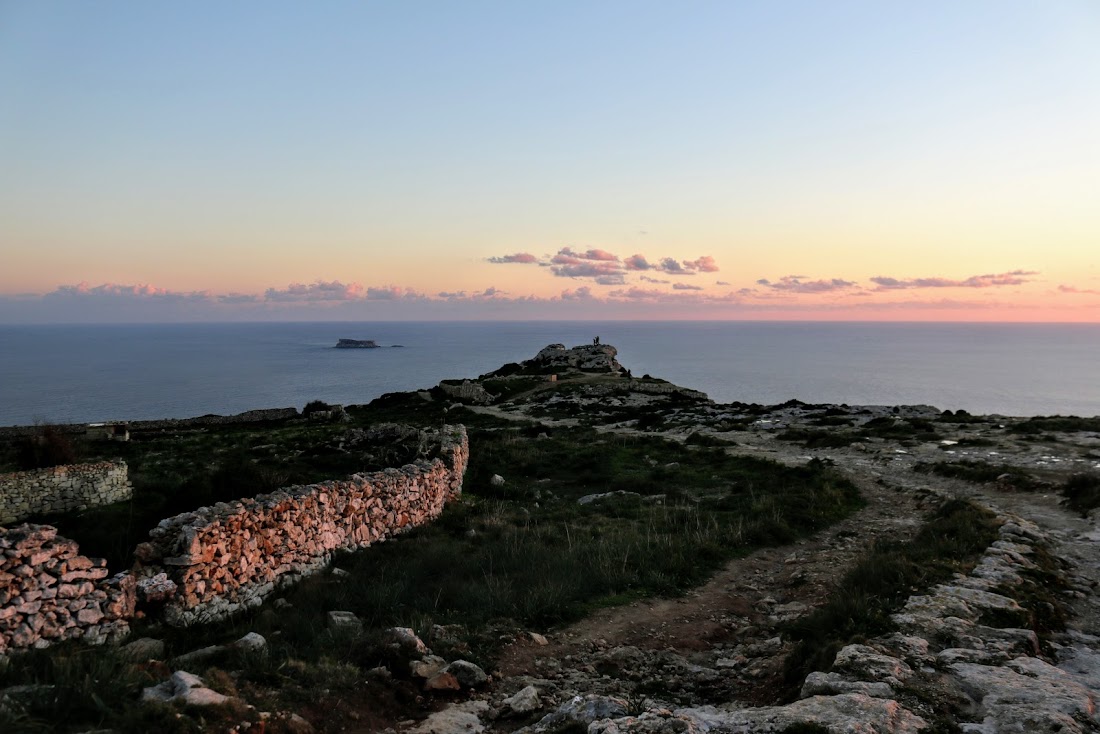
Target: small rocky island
357,344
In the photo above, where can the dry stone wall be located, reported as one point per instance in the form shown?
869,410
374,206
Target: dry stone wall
69,488
231,556
49,592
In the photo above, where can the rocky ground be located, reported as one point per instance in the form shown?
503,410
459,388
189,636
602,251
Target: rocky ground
712,661
961,659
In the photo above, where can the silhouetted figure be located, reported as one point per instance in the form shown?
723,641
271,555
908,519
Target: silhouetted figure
596,342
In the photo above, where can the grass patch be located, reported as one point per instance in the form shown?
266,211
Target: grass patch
501,560
524,555
951,541
980,472
917,429
1041,597
706,439
813,439
76,688
1069,424
1081,492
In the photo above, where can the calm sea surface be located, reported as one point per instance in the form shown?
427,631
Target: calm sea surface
90,373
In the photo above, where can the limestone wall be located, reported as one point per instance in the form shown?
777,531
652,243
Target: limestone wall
67,488
231,556
49,592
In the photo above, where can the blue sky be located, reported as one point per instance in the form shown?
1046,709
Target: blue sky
233,148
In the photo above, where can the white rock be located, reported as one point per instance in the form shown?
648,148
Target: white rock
522,702
340,621
466,673
459,718
1028,695
253,642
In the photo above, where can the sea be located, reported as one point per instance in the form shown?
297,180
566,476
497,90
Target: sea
68,374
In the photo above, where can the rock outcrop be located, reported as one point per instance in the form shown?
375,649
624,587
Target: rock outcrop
587,357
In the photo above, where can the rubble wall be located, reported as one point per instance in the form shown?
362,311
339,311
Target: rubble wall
231,556
49,592
68,488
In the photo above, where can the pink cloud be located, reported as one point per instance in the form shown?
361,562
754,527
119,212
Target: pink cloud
672,267
598,264
990,280
637,262
704,264
390,293
117,291
1075,289
799,284
320,290
584,293
519,257
686,287
567,256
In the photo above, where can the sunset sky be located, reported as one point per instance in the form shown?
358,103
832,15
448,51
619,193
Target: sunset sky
535,160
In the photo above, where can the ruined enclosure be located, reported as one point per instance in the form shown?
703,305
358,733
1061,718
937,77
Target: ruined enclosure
215,561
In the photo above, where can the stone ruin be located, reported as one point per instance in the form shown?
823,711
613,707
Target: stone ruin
211,563
232,556
49,592
56,489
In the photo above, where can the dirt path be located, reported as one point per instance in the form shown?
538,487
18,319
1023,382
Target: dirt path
731,620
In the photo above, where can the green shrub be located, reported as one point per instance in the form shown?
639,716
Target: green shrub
1071,423
979,472
1081,492
50,445
813,439
315,406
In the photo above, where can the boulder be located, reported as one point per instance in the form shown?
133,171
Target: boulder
853,713
143,649
253,643
458,718
1028,695
344,622
521,703
185,687
427,667
578,713
466,673
406,642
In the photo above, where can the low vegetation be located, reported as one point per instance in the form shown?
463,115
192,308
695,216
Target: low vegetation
49,445
525,555
815,439
1081,492
981,472
859,608
1042,424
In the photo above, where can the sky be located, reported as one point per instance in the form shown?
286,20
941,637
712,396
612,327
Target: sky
363,160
